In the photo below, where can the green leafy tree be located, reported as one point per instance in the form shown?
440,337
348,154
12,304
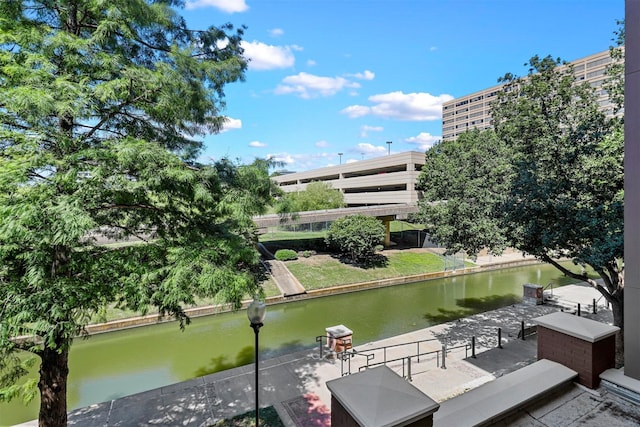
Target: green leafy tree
316,196
555,192
356,237
566,196
464,185
101,104
614,83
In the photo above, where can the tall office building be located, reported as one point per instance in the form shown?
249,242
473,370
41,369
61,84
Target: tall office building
473,111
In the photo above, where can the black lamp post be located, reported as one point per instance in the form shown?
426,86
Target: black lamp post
340,154
389,145
255,312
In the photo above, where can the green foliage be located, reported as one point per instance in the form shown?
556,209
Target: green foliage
317,196
566,197
549,182
286,255
322,271
101,106
356,237
464,185
614,83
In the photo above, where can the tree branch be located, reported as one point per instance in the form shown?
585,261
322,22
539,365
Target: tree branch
583,277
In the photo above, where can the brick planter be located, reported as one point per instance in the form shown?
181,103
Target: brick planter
586,346
378,397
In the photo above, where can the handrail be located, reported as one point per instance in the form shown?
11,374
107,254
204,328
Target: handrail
348,355
384,362
384,348
408,359
401,344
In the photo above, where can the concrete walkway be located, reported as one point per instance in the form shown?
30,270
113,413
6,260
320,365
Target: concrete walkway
288,284
295,383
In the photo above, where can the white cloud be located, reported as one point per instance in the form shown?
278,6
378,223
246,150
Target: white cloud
433,48
366,148
424,140
231,123
400,106
268,57
364,130
302,162
282,157
276,32
229,6
322,144
307,85
354,111
311,63
257,144
366,75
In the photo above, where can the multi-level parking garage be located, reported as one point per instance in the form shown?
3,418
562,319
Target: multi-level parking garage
380,181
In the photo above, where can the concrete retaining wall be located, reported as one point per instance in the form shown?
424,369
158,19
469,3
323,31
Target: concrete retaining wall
152,319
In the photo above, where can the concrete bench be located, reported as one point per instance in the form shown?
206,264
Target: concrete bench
496,399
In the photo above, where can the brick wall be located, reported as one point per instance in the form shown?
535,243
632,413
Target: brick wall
586,358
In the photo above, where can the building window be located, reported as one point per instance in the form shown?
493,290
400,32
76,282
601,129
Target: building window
598,62
596,73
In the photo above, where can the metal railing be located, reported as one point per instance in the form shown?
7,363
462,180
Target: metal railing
347,354
441,357
576,307
384,348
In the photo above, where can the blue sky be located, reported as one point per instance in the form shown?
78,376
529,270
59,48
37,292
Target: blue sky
345,76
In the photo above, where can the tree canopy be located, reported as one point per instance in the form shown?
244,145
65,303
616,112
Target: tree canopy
102,110
316,196
356,237
548,181
464,185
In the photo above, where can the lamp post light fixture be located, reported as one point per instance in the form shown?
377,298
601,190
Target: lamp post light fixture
340,154
389,145
255,312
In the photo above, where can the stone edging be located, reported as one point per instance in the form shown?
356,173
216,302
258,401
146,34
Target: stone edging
152,319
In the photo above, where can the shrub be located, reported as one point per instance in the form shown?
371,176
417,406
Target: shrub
286,255
356,237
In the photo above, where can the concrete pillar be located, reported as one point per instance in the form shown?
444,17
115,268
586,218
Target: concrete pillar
632,191
387,233
386,220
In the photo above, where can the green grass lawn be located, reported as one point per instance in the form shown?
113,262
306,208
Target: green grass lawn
275,234
113,313
323,271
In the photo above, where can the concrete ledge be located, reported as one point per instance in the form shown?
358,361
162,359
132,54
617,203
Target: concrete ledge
152,319
616,381
494,400
575,326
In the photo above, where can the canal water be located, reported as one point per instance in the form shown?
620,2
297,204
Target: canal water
116,364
